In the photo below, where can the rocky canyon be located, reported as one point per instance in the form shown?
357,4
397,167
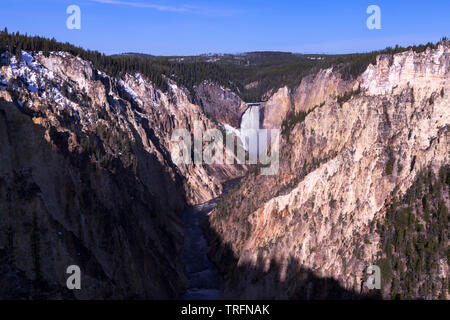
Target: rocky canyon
87,178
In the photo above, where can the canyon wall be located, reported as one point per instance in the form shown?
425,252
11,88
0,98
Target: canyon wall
312,230
86,178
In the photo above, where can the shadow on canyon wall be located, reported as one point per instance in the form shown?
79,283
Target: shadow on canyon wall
126,225
57,209
257,282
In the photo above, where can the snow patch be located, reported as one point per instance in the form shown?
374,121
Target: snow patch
139,78
130,91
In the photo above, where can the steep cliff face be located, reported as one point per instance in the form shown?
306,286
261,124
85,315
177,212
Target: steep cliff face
363,144
220,103
324,86
86,178
59,209
276,109
315,89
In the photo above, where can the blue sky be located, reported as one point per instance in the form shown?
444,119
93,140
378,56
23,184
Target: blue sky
184,27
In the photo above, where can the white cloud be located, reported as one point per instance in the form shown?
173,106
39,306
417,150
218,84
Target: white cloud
145,5
181,8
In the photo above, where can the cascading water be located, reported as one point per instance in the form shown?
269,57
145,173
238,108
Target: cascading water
250,118
249,132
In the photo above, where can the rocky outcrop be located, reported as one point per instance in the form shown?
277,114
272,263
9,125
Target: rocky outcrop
276,109
339,170
323,86
220,103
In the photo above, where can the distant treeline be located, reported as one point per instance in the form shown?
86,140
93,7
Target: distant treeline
187,74
267,70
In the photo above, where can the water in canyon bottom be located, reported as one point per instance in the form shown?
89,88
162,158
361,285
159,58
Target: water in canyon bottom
205,280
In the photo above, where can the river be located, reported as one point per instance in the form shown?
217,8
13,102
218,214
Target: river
205,280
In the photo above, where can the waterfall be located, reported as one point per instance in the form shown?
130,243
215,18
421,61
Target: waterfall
250,130
250,118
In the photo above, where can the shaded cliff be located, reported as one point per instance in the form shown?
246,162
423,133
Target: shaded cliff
220,103
58,209
86,178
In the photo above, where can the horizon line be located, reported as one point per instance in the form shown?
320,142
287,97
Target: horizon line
222,53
